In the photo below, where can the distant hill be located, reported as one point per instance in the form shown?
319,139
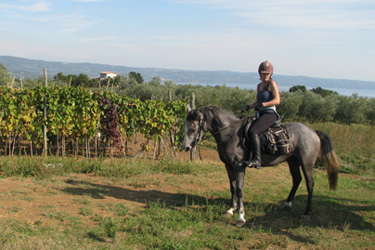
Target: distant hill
246,80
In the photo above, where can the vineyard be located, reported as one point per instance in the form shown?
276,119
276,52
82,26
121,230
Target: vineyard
80,121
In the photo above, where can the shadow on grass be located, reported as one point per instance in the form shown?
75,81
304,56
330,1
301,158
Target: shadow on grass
328,212
99,191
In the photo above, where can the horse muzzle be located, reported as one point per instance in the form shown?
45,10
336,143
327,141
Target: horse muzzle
187,147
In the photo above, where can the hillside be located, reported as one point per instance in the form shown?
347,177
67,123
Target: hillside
34,68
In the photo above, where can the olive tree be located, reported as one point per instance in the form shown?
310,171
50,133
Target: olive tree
4,75
370,111
316,108
289,105
350,109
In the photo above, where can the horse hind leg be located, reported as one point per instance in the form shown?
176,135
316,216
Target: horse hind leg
294,168
307,171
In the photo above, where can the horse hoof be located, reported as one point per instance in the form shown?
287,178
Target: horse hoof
240,223
305,217
287,206
228,214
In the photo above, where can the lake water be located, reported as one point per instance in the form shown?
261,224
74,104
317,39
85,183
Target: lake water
344,91
370,93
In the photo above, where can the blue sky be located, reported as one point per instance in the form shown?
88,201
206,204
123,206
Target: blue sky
318,38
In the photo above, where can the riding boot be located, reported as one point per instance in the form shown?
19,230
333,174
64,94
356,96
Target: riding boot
255,162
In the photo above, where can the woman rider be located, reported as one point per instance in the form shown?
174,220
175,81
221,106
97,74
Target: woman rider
268,97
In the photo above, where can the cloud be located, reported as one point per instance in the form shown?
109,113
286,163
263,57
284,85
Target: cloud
319,14
90,1
40,6
101,38
65,23
73,22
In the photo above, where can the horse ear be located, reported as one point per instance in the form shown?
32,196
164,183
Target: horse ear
188,108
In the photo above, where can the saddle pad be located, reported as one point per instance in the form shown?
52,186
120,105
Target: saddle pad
276,140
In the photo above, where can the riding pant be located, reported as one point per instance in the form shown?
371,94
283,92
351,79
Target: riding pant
263,123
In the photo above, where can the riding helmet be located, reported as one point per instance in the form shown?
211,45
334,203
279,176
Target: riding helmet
265,67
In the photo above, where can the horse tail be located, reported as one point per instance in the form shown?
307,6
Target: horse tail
330,159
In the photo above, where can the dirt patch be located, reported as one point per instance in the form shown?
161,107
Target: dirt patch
85,196
43,200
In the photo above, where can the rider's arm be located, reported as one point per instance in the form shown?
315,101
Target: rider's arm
276,95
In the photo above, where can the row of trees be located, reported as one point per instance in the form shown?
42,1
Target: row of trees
299,104
316,105
81,80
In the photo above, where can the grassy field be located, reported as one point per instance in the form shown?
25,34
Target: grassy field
67,203
354,144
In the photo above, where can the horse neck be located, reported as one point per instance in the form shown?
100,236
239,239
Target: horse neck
220,127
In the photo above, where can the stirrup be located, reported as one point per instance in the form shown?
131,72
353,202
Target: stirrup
252,164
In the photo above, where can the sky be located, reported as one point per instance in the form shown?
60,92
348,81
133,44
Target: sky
317,38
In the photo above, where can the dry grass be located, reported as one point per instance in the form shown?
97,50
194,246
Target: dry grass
157,207
354,144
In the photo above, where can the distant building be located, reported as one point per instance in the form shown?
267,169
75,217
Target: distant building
108,74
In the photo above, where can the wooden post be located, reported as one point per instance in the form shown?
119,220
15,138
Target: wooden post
45,116
192,101
192,106
11,84
21,83
169,95
172,132
108,82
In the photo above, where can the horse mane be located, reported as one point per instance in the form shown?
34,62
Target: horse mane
212,114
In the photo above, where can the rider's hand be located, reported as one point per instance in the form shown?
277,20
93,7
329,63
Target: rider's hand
259,106
246,108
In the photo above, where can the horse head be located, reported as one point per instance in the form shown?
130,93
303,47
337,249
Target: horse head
195,128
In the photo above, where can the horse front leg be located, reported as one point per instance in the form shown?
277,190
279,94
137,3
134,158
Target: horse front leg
232,184
240,179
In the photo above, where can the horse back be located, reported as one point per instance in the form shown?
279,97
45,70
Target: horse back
302,137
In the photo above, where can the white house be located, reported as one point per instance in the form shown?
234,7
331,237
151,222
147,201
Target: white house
108,74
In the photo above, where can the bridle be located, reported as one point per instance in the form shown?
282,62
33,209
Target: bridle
201,131
199,136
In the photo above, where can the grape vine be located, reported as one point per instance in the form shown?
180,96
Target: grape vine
75,116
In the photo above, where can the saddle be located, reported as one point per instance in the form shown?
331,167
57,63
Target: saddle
275,140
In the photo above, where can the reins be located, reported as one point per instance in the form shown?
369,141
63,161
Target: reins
198,140
220,130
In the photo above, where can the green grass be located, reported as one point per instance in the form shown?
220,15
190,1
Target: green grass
182,206
354,144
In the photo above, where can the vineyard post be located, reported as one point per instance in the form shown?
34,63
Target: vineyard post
169,95
11,84
172,130
108,82
21,83
45,115
192,105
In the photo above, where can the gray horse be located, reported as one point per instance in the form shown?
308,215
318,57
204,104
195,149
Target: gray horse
227,129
